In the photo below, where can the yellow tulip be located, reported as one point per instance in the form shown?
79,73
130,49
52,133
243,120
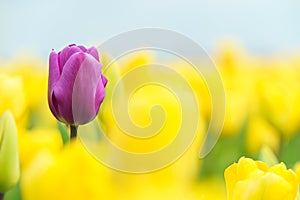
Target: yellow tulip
229,56
12,95
139,108
236,113
233,67
279,96
31,142
260,133
9,157
72,174
33,74
296,169
208,189
249,179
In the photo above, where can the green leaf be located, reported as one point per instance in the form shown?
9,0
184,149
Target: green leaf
227,151
14,193
63,132
290,150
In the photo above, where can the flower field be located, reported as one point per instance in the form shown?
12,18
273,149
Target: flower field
255,157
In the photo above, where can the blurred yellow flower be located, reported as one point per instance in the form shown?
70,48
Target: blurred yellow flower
208,189
33,74
72,174
140,104
279,96
172,181
31,142
249,179
12,95
262,96
260,133
237,109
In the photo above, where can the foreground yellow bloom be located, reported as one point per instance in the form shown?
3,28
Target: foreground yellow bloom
296,169
249,179
72,174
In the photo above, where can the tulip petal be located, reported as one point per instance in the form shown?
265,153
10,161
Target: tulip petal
100,93
82,48
104,80
94,52
62,92
72,92
88,91
65,54
54,74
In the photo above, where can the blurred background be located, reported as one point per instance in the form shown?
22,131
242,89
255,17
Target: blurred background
38,26
255,45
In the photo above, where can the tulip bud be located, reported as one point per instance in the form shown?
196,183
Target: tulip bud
9,157
76,86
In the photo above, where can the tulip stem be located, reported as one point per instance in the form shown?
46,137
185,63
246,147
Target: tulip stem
1,196
73,130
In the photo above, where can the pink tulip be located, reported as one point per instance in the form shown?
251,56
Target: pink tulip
76,86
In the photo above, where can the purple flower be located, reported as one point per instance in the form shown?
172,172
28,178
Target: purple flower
76,86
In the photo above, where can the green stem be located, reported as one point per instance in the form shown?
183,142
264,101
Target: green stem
1,196
64,133
73,130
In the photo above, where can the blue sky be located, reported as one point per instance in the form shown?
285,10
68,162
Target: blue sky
38,26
